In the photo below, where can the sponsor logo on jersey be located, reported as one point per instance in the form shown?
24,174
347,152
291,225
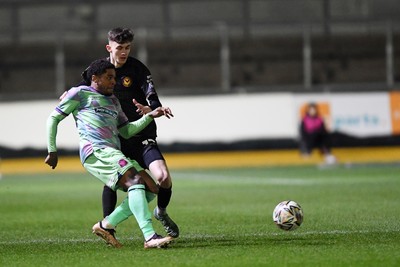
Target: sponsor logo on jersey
126,81
102,110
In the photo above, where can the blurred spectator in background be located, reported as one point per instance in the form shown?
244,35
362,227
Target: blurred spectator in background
314,134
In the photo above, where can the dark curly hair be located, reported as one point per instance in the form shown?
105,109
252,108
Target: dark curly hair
98,67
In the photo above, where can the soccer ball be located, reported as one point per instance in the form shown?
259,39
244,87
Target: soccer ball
288,215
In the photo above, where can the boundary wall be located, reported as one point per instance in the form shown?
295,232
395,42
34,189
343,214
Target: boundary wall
221,119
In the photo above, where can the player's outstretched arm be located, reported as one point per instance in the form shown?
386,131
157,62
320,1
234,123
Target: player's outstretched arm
160,111
134,127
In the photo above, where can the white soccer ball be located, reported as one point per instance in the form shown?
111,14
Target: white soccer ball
288,215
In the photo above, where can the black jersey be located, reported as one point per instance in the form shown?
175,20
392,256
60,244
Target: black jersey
133,81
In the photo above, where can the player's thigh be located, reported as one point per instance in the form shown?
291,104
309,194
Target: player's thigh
151,153
109,165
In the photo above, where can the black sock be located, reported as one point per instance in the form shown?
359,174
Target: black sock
164,196
109,200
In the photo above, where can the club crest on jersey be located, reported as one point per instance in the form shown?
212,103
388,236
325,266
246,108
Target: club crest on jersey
126,81
122,162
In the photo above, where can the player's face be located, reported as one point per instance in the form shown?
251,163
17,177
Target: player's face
118,52
106,82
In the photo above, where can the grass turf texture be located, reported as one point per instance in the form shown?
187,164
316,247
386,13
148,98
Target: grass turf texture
225,216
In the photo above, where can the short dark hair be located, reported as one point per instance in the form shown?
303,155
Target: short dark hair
98,67
120,35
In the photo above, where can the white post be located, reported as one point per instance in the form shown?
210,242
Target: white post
389,56
225,58
307,57
142,45
60,65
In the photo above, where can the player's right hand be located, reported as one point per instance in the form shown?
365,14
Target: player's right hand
52,159
162,111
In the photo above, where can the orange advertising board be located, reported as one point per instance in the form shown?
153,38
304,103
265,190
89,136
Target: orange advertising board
323,109
395,112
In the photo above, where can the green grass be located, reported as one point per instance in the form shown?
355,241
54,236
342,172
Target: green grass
351,219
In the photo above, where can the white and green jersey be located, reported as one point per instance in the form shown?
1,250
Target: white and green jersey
99,119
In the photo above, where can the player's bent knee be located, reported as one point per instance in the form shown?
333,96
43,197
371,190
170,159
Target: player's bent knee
130,178
166,183
149,182
162,180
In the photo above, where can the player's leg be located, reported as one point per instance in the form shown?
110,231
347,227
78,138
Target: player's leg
116,171
133,148
107,226
161,173
109,200
132,181
98,164
155,162
122,212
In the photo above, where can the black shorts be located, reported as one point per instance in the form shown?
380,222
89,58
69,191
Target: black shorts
144,151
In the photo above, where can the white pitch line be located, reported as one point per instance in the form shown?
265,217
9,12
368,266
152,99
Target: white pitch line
271,180
197,236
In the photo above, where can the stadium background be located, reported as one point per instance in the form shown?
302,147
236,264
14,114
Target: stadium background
235,72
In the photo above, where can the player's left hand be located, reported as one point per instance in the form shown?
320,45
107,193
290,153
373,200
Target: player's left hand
141,109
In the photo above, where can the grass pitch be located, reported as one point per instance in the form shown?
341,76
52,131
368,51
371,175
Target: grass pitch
351,218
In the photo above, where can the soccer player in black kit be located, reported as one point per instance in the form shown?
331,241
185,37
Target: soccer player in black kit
133,81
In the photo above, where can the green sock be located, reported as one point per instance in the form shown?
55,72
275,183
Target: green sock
120,214
140,209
